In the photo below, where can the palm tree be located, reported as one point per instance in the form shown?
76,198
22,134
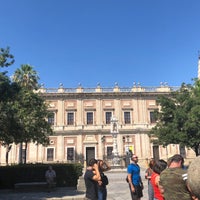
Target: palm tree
26,77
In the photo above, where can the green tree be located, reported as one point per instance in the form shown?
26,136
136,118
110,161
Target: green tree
6,59
26,77
9,126
32,110
178,117
8,91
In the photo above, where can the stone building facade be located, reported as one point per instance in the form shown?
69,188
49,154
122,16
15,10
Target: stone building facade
81,120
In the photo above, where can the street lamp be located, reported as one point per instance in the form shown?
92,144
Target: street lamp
114,131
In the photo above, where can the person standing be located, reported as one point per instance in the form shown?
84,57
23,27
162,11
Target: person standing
158,167
102,190
91,177
50,176
148,174
172,184
192,178
134,179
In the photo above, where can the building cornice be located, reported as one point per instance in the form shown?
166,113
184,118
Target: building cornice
117,92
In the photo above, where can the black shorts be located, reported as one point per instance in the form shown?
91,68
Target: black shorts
138,192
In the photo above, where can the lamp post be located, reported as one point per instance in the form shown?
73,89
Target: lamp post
114,132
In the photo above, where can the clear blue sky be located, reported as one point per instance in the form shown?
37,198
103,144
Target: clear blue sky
103,41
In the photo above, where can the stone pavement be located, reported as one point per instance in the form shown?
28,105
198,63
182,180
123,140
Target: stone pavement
117,190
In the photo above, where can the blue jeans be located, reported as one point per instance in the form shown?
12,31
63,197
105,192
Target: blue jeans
102,193
150,191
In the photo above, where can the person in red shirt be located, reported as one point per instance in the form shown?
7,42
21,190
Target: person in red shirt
158,167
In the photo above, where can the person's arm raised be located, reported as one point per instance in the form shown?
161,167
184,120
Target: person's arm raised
96,176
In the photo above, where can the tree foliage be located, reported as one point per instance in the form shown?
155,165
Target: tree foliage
26,77
179,117
8,91
9,123
6,59
32,110
24,113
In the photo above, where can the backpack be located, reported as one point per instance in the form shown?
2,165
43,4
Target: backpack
104,179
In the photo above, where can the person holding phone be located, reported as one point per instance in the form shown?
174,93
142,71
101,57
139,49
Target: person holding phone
91,177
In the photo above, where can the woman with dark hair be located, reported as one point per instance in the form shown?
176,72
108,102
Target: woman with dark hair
102,190
158,167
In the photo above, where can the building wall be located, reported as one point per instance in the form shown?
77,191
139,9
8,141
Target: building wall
96,138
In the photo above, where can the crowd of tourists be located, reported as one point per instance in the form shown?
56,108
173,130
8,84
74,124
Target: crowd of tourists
167,180
171,180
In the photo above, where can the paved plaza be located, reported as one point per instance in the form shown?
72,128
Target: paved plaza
117,190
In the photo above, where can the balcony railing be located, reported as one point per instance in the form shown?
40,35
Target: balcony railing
110,90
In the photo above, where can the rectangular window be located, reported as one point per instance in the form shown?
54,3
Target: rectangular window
70,153
50,154
51,118
127,117
70,118
152,117
23,155
89,117
109,152
108,117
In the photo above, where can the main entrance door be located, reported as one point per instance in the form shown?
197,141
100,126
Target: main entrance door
90,153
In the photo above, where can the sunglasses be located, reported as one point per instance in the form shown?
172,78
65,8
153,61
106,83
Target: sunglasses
135,157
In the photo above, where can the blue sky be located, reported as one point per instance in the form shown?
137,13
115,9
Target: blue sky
107,41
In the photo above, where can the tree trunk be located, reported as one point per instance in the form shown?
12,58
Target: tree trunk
8,148
25,153
197,150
